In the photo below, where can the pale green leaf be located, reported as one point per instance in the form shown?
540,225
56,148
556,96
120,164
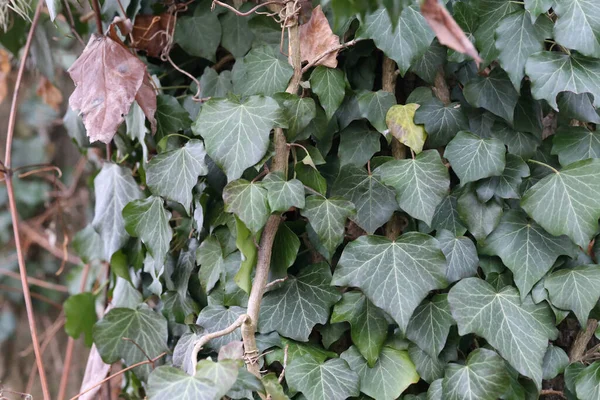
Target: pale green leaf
430,324
222,374
578,25
328,218
400,121
281,194
88,245
430,369
114,188
537,7
519,331
299,303
273,387
576,289
494,92
395,276
555,362
480,217
573,143
167,383
247,200
135,121
441,122
358,143
393,373
213,84
525,248
490,13
214,318
262,71
245,242
374,106
80,316
236,133
332,380
329,86
587,383
420,183
209,256
483,377
368,324
567,202
474,158
435,390
461,256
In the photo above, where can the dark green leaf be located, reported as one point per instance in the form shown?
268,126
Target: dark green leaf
80,316
495,93
332,380
474,158
210,258
329,85
430,324
237,36
374,106
574,143
299,112
587,382
285,251
203,24
490,14
247,200
171,117
480,217
446,216
441,122
461,255
578,106
358,143
577,26
555,362
262,71
283,195
214,318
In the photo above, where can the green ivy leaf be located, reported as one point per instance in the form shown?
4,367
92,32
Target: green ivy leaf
525,248
375,203
430,369
374,106
555,362
578,106
114,188
237,36
273,387
577,26
203,24
495,93
247,200
461,255
214,318
329,86
147,328
332,380
209,257
572,143
285,251
368,324
149,220
299,112
393,373
576,289
508,185
537,7
358,143
519,331
395,276
402,42
213,84
80,316
474,158
483,377
167,383
262,71
428,65
311,177
430,324
567,202
435,390
467,17
441,122
170,116
88,245
481,217
236,133
551,73
518,37
328,218
298,350
222,374
244,241
420,183
400,120
490,14
299,304
173,174
446,216
587,382
281,194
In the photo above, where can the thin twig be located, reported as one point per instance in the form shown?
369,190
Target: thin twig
44,243
274,283
550,392
139,348
98,15
49,335
72,23
34,295
121,372
285,360
328,52
13,205
36,282
252,10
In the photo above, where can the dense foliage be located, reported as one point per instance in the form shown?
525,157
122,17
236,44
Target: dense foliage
425,224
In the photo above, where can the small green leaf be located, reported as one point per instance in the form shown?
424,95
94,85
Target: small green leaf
474,158
430,324
80,316
555,362
446,216
576,289
368,323
374,106
420,183
167,383
237,36
173,174
281,194
171,117
214,318
299,304
400,121
537,7
484,377
495,93
311,177
490,13
298,350
428,368
332,380
285,251
247,200
203,24
508,185
88,244
262,71
519,331
480,217
393,373
328,218
329,86
567,202
149,220
147,328
273,387
244,241
210,258
358,143
577,26
395,276
578,106
298,111
441,122
236,133
428,65
461,255
574,143
222,374
587,382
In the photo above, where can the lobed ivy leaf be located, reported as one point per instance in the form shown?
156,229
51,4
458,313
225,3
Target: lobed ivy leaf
368,324
203,24
329,86
358,143
490,13
168,383
262,71
519,331
236,133
474,158
281,194
223,374
442,122
171,117
214,84
332,380
525,248
80,316
393,373
216,317
395,276
508,185
248,201
209,256
575,143
446,216
480,217
428,65
299,112
461,255
577,26
587,383
299,304
298,350
537,7
420,183
285,251
173,174
578,106
555,362
374,106
237,36
430,369
495,93
430,324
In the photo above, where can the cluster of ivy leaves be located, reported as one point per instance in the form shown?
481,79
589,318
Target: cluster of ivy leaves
498,200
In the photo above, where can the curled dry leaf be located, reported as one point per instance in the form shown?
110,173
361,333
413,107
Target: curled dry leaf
317,38
49,93
4,71
447,30
151,32
108,78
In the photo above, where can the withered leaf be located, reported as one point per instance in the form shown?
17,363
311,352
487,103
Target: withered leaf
49,93
150,33
316,38
146,99
447,30
107,78
4,71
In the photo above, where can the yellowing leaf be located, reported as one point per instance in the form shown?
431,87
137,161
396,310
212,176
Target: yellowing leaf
400,121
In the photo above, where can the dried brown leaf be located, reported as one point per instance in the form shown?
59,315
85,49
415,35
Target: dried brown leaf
4,71
447,30
146,99
107,79
316,37
49,93
151,33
